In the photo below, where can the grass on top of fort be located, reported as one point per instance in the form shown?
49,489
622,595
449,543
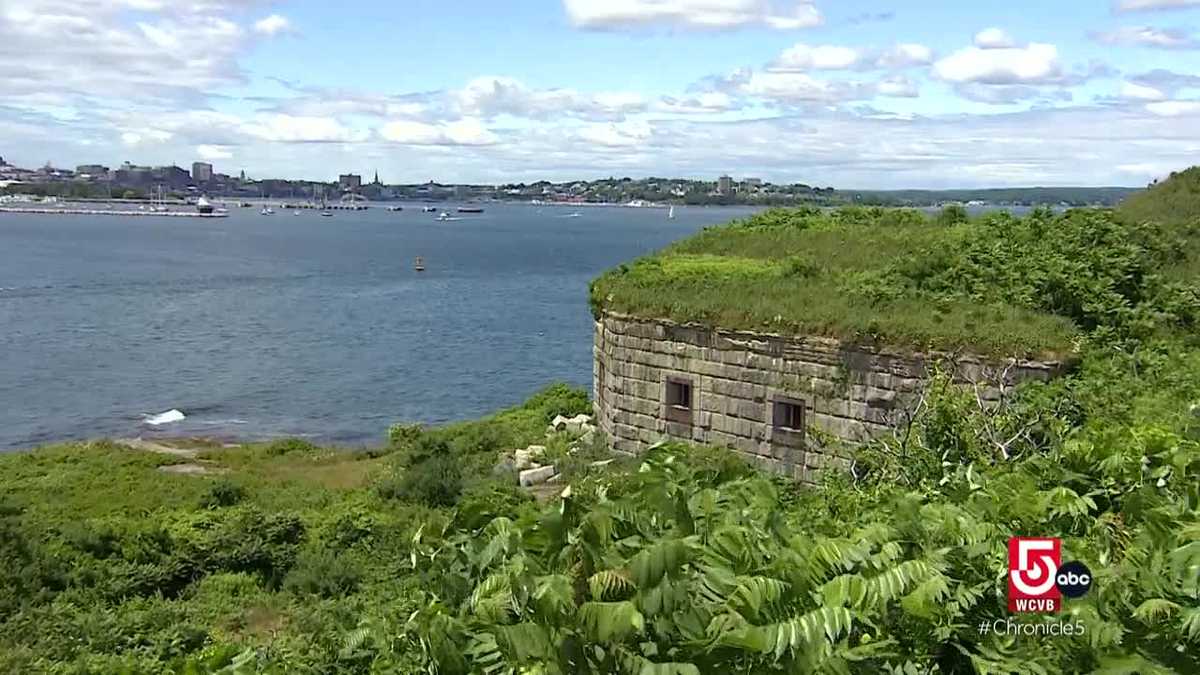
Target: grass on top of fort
996,284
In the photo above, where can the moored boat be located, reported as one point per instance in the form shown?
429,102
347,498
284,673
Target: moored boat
470,209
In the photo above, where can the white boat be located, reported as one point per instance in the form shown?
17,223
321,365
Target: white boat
443,216
267,211
295,213
429,209
671,212
203,205
327,214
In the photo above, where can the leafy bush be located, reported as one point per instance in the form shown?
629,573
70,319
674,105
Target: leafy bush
324,574
288,446
222,493
436,481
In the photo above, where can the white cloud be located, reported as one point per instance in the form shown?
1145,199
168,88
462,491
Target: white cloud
613,14
897,86
490,96
1139,92
788,88
801,57
1148,36
101,48
1032,64
296,129
466,131
211,152
1174,108
272,25
615,135
994,38
704,102
905,55
1144,5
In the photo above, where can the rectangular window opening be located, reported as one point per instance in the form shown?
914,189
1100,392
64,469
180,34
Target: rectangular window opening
789,415
679,394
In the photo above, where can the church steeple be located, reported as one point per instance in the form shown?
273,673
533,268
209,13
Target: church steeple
377,177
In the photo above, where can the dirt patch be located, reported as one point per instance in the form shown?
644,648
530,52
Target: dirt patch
159,448
194,469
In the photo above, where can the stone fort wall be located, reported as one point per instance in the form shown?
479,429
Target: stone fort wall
778,400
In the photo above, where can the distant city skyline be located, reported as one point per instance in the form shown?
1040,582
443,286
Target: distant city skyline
865,94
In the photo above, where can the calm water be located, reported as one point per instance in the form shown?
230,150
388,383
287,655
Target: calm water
260,326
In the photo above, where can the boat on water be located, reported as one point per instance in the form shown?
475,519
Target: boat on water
470,209
671,212
419,265
443,216
203,205
327,214
430,209
395,208
295,213
267,211
574,214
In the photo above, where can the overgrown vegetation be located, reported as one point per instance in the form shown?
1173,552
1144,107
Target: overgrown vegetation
997,284
424,557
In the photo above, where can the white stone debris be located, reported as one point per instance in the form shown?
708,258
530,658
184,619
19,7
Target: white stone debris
541,474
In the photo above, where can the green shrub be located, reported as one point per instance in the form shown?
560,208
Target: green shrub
491,499
324,574
223,492
952,214
436,481
404,435
289,446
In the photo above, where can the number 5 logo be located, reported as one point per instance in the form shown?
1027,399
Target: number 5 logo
1032,567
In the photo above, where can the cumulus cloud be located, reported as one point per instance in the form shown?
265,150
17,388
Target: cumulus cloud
905,55
1150,5
491,96
994,38
615,135
111,48
211,152
1148,36
1035,63
1174,108
467,131
272,25
1131,91
801,57
1166,80
897,86
709,14
297,129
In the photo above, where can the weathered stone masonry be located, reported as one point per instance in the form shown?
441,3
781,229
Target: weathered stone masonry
773,398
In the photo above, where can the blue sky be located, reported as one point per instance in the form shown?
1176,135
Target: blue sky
858,93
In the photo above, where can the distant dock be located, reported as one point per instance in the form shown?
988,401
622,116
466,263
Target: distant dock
108,212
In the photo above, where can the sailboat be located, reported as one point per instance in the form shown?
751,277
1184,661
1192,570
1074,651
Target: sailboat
671,212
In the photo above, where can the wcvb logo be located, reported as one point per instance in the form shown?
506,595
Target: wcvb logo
1037,579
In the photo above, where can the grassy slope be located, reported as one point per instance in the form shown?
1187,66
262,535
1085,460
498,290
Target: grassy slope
118,565
801,280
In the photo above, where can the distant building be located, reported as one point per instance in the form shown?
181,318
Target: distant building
132,175
753,182
171,176
725,185
202,172
349,182
91,171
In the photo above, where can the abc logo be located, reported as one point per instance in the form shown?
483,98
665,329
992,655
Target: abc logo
1073,579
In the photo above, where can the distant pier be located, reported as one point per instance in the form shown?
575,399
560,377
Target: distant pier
108,212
